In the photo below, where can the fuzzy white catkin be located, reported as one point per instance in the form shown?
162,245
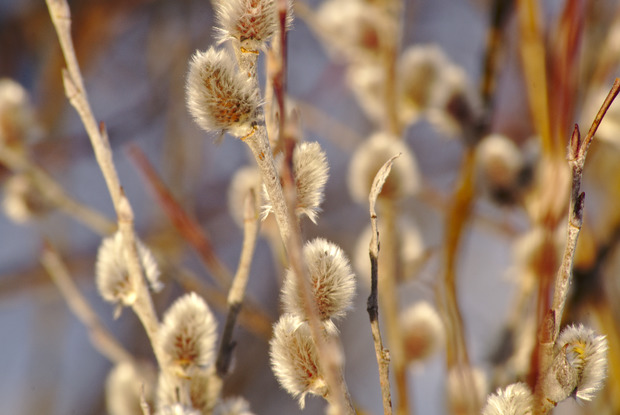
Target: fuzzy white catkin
294,358
367,82
499,164
353,29
22,201
311,172
218,96
580,366
249,22
420,71
125,385
404,179
422,331
515,399
191,391
331,281
232,406
188,334
112,275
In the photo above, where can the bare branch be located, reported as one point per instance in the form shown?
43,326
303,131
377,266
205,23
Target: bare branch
372,306
577,151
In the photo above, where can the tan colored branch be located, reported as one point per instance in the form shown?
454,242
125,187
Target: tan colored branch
76,93
55,194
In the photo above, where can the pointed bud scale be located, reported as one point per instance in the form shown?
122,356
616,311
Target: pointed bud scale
187,334
403,181
112,274
311,171
218,96
422,331
515,399
294,358
331,281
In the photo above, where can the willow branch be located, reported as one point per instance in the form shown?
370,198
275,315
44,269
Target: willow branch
577,151
76,93
239,285
54,193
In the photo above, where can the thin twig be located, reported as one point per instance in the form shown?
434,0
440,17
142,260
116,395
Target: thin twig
55,194
76,93
100,337
577,151
189,229
372,305
240,282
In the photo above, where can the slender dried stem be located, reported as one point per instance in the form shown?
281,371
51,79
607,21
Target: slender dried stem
240,282
99,336
577,151
76,93
55,194
372,306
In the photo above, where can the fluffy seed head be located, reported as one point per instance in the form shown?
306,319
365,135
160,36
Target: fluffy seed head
311,171
112,274
422,331
368,158
187,335
250,22
331,280
218,96
580,367
515,399
232,406
294,358
125,385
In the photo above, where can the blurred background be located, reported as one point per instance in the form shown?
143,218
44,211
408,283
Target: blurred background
134,55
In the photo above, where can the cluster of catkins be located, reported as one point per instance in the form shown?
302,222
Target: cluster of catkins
185,345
